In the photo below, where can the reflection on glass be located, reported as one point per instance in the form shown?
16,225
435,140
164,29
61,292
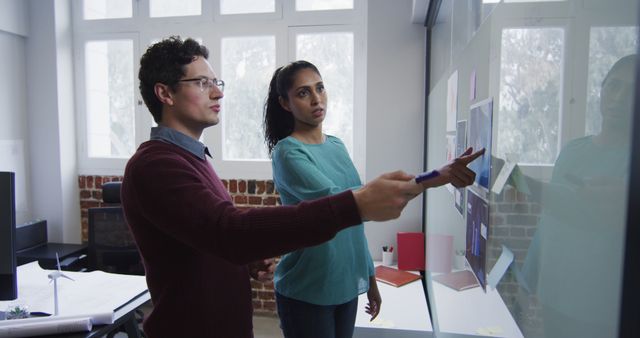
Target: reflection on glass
606,45
247,6
315,5
107,9
110,98
574,263
247,66
441,37
333,53
506,1
164,8
564,108
530,83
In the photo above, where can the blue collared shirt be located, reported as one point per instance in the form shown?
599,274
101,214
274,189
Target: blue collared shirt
170,135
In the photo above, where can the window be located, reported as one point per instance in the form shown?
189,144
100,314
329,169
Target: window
107,9
110,98
516,1
314,5
333,54
246,6
530,88
164,8
247,66
247,41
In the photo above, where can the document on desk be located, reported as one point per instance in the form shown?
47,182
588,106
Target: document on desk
94,295
44,326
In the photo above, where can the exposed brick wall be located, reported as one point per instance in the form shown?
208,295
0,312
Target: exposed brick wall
245,194
91,197
513,222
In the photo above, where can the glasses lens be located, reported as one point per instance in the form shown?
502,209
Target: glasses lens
205,84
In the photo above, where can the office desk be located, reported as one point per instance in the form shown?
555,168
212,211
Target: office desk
45,254
109,300
125,317
469,312
404,313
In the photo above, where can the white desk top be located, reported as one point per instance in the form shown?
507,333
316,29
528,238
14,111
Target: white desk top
404,313
89,292
470,312
91,298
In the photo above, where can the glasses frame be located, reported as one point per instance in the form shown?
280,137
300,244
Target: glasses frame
206,83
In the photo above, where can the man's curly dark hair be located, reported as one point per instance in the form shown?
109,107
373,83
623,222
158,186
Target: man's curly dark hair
164,62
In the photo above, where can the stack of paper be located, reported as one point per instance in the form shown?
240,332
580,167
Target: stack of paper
90,299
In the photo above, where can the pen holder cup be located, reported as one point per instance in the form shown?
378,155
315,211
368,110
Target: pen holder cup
387,258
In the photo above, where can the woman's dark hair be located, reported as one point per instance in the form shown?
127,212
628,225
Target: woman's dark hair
164,62
278,123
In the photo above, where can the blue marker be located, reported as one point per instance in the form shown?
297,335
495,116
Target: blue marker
427,176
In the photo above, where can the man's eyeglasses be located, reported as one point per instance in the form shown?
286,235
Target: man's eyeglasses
206,84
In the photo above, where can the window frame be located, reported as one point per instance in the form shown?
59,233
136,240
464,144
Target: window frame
531,16
250,17
213,137
102,165
577,32
142,29
359,90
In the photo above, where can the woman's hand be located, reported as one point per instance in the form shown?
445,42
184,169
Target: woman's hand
455,172
375,301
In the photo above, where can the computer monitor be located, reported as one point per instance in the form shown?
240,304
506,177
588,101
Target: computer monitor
8,281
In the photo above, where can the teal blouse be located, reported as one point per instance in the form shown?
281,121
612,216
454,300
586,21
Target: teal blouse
337,271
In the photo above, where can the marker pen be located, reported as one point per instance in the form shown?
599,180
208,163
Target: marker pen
427,175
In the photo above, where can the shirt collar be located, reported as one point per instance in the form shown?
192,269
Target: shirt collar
181,140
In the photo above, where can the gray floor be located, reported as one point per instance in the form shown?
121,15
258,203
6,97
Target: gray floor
266,327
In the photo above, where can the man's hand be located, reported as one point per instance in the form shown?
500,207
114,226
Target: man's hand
384,198
456,172
262,270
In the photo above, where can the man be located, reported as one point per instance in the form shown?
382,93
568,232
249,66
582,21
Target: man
197,248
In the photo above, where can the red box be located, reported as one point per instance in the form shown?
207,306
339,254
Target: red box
411,251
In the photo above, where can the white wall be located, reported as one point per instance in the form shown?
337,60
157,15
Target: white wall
51,119
395,107
14,140
14,17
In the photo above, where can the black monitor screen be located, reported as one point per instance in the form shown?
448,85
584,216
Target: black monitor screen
8,287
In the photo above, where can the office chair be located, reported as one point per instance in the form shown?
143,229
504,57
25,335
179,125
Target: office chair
111,245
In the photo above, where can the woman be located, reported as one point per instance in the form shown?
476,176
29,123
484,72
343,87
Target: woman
317,288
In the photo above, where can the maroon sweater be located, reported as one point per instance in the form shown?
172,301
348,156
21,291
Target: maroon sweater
195,244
